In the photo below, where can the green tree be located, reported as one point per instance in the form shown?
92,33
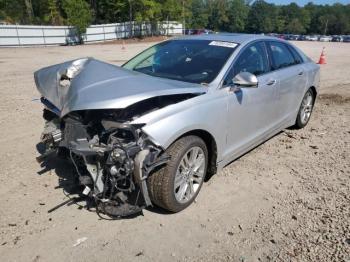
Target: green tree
295,27
111,11
297,19
3,14
338,19
218,15
78,15
53,16
29,18
13,11
146,10
171,10
221,15
280,23
262,17
238,14
313,11
200,14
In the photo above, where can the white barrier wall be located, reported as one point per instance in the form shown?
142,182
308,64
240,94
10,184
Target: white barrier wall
21,35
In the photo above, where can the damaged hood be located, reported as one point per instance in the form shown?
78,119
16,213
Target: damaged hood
99,85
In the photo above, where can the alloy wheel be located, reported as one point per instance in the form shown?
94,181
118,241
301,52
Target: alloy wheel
189,174
306,108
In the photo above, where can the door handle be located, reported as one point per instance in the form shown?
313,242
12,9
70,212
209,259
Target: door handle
271,82
301,73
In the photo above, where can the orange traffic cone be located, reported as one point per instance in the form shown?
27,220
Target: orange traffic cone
123,45
322,60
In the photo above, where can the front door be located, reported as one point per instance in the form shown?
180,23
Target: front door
252,112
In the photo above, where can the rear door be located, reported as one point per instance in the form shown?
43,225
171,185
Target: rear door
290,72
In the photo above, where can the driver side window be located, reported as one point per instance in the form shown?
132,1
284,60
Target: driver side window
253,60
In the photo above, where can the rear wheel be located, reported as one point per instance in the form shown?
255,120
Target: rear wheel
305,109
176,185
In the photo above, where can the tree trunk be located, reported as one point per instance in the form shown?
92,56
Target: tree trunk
29,10
130,20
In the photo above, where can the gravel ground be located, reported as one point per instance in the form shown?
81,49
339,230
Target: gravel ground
286,200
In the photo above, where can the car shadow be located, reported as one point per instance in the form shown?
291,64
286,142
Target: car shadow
250,150
159,210
67,179
62,168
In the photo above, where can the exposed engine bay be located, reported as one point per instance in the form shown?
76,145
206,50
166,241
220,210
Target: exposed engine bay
90,113
112,159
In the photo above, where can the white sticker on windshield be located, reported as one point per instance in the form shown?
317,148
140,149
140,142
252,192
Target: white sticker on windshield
223,44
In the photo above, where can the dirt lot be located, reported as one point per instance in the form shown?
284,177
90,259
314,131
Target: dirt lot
287,200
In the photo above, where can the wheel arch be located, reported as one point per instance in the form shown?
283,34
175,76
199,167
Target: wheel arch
314,91
212,148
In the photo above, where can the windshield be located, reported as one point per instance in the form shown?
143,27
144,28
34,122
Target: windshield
194,61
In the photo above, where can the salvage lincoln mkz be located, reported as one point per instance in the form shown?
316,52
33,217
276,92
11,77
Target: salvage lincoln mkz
150,131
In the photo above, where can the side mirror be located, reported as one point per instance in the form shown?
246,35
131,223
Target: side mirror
245,79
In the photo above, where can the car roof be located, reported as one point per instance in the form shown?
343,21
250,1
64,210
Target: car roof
228,37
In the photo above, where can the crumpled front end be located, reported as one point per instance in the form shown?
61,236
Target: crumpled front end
89,110
112,159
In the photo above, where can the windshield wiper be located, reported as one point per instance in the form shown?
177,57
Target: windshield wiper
157,74
166,75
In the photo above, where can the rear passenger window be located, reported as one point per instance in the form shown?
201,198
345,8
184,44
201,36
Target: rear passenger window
297,57
281,55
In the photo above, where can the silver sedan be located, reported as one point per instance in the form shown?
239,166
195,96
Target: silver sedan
150,132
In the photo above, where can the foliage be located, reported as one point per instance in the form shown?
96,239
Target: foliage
146,10
110,10
262,17
78,14
171,9
238,15
53,16
200,15
220,15
12,11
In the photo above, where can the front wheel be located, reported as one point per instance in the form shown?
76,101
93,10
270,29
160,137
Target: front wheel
175,186
305,109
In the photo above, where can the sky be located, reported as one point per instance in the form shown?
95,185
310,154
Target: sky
303,2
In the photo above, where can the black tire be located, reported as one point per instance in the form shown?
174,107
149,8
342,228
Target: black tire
161,183
300,123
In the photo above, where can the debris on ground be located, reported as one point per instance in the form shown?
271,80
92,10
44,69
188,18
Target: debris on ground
79,241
